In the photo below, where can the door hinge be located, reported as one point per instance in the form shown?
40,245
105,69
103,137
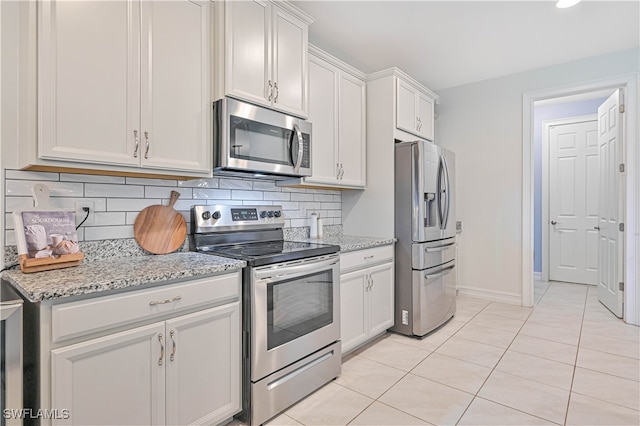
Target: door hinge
621,286
621,108
621,167
621,226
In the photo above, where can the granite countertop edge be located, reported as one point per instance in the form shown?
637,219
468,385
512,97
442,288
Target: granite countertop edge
117,273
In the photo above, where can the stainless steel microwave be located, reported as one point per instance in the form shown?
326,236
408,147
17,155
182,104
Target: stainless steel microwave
253,141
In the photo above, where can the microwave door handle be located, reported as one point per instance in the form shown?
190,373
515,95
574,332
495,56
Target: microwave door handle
298,133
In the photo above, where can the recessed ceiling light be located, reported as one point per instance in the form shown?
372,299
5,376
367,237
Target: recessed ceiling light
563,4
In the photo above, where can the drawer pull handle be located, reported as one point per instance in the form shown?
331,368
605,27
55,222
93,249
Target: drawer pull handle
172,333
369,257
161,340
163,302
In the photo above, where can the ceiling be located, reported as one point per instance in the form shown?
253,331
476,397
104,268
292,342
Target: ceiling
450,43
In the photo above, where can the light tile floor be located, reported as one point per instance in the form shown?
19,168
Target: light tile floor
566,361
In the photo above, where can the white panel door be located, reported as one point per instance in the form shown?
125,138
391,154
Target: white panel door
175,105
248,50
88,81
353,301
610,139
203,366
381,298
112,380
323,114
289,62
405,107
573,195
352,131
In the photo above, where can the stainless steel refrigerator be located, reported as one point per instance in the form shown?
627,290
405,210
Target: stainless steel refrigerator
425,226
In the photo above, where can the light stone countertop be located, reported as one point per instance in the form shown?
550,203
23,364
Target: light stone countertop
350,242
117,273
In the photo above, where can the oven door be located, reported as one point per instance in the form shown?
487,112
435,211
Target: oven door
295,312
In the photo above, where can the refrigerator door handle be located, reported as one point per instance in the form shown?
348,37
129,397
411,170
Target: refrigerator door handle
442,273
445,215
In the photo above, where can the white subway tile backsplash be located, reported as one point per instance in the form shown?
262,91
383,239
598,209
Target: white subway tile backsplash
165,192
9,237
206,194
150,181
29,175
107,232
109,190
199,183
235,184
56,189
237,194
118,200
72,177
279,196
8,221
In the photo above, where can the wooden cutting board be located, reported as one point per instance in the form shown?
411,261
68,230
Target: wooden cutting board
160,229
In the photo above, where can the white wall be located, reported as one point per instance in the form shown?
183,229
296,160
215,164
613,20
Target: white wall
482,123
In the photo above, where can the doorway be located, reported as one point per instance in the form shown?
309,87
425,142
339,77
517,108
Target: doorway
630,194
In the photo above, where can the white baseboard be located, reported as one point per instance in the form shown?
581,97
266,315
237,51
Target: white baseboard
537,276
493,295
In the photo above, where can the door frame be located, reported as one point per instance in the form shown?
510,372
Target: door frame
631,85
546,125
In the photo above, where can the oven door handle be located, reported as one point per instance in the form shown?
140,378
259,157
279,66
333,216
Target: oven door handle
279,272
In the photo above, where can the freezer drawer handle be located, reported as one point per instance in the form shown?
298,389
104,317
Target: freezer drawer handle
442,273
441,248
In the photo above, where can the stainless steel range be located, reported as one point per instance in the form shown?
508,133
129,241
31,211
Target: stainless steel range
291,311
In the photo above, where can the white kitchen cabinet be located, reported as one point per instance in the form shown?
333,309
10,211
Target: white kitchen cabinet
337,97
414,110
157,359
265,54
366,295
126,85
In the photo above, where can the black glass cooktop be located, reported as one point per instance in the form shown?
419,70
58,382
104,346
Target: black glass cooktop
265,253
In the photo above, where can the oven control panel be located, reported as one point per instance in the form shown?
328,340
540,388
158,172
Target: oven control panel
219,218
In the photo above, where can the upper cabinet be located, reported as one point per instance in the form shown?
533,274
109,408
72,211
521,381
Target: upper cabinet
262,54
414,110
338,116
125,85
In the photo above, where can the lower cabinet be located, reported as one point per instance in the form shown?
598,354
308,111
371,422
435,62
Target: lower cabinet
366,303
183,370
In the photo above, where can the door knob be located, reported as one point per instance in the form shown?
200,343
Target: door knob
553,222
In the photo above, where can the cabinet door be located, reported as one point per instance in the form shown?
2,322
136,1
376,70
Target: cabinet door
425,116
112,380
248,50
88,81
352,131
381,298
353,324
289,62
203,366
405,107
175,104
323,92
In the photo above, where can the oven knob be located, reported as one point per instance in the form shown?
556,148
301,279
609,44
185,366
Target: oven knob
216,215
263,214
277,213
270,213
206,215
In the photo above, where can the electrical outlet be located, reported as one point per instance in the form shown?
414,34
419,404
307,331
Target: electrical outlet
405,317
81,213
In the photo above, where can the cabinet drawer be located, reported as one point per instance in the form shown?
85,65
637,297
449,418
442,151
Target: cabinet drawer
364,258
75,319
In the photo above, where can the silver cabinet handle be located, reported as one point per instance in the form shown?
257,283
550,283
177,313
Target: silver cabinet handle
553,222
341,171
164,302
275,86
370,279
337,171
369,257
173,342
270,91
135,135
146,138
161,340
